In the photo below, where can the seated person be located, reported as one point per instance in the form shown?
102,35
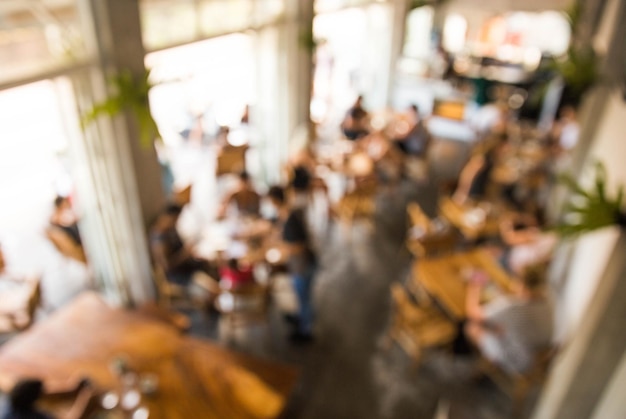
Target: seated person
63,231
475,176
23,398
244,198
415,142
510,330
236,274
526,244
354,125
170,253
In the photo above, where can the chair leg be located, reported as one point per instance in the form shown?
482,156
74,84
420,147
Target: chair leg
520,393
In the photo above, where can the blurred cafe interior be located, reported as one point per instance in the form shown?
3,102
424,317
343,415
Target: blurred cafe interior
312,209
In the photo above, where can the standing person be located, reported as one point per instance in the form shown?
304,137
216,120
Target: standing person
302,261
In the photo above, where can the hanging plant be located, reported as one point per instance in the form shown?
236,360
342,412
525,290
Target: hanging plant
592,209
414,4
130,95
579,69
307,40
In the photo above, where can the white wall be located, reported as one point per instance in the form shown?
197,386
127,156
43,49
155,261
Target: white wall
592,250
612,404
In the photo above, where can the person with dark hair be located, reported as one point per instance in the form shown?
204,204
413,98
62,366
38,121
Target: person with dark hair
170,253
23,397
354,125
510,330
417,138
302,260
244,198
476,174
63,230
236,274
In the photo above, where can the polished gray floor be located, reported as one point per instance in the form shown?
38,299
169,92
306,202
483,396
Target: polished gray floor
348,372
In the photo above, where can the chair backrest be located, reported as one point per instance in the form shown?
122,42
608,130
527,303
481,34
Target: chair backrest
183,196
418,217
23,318
34,301
163,286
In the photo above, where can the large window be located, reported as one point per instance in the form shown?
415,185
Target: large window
171,22
34,160
38,35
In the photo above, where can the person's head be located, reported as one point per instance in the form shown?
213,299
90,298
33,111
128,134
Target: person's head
359,101
25,393
414,109
169,216
301,179
568,112
276,195
533,279
233,263
244,178
2,261
61,203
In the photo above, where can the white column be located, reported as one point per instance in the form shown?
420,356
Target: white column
119,185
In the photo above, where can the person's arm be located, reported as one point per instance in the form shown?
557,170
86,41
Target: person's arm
81,404
513,237
473,308
221,213
466,178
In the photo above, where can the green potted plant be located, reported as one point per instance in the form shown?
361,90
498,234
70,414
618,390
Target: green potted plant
591,209
131,95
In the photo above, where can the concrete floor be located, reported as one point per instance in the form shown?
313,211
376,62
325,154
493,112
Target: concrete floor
348,372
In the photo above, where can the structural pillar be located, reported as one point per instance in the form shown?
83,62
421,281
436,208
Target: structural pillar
119,188
585,368
297,65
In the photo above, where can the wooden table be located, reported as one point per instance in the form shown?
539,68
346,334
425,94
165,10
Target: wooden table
460,216
197,379
442,277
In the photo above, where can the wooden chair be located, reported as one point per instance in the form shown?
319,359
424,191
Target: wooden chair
183,196
168,293
231,159
415,328
418,217
171,295
244,306
21,318
433,244
433,240
519,385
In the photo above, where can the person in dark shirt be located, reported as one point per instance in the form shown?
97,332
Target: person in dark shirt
417,138
302,261
63,230
170,253
354,125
